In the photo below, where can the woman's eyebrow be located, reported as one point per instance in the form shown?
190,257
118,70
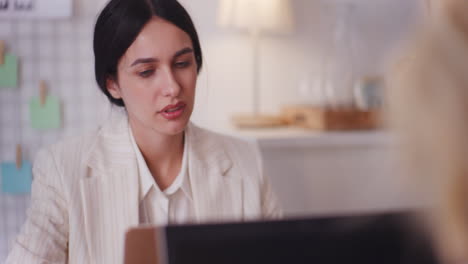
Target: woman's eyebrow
183,51
151,60
144,60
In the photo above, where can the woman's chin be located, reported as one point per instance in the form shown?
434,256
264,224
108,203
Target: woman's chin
173,128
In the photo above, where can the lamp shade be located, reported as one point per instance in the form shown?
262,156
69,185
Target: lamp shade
261,15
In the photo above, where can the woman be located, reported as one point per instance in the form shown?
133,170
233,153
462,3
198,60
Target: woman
150,165
428,97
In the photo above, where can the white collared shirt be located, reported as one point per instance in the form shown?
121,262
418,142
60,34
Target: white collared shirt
171,206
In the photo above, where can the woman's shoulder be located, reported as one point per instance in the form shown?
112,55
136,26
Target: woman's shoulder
74,143
68,151
227,141
241,152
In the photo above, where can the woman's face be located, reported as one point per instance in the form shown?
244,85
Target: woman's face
157,76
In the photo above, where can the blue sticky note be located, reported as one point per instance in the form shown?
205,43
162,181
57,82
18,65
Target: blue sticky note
14,180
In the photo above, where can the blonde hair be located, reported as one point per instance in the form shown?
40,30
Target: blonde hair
428,106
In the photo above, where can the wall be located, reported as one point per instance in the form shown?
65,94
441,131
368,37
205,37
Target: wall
226,82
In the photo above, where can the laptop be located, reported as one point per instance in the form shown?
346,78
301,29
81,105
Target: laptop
380,238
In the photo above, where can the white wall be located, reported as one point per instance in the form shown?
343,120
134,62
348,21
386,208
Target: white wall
226,81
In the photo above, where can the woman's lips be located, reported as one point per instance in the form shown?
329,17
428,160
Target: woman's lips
172,112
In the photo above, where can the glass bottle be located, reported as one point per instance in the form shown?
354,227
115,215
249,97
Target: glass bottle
339,63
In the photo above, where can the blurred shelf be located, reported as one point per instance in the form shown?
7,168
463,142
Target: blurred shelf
291,137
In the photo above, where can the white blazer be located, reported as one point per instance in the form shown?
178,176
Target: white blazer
85,193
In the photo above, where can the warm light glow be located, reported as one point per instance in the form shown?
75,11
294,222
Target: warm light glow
262,15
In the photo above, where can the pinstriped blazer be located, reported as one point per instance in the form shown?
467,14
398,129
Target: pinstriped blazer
85,193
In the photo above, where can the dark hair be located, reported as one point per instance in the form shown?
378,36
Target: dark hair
119,24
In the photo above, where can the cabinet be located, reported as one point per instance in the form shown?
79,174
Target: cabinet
330,173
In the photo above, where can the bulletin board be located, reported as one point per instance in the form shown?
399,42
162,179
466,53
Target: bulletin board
60,55
26,9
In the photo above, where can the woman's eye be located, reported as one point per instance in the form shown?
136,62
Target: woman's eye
146,73
182,64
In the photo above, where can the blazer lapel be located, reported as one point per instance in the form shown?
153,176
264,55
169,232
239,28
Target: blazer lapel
110,193
217,195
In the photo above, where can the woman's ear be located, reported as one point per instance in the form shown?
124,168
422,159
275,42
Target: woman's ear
113,88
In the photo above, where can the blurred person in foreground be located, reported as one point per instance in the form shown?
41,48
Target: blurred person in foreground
428,106
147,165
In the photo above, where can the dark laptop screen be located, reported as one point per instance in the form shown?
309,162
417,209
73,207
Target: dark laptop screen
386,238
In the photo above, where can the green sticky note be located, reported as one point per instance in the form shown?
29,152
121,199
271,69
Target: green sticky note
45,116
9,72
14,180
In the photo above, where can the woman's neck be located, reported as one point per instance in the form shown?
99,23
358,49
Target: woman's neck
163,153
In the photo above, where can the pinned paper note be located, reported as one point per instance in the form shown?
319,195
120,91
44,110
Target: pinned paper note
2,52
14,180
47,115
9,72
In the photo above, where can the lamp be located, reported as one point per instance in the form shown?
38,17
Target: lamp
257,17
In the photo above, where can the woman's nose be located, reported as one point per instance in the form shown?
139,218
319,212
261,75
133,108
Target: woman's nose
171,87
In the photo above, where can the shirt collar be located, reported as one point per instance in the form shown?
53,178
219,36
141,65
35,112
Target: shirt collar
146,178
